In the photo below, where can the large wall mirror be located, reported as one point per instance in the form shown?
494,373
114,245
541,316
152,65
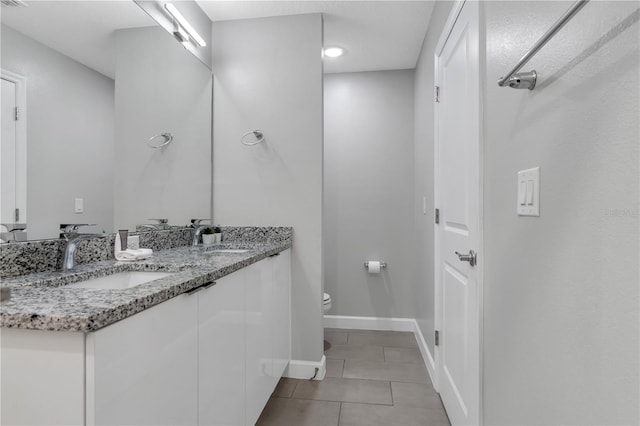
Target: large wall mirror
100,86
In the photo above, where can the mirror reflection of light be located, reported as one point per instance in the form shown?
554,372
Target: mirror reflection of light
333,52
185,24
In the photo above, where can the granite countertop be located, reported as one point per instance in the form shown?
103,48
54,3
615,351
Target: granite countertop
42,302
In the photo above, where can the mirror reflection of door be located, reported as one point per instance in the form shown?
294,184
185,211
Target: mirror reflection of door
12,158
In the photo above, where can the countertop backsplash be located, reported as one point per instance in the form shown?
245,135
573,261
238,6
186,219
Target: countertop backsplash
47,255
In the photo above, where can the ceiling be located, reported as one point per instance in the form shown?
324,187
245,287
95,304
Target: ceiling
377,35
82,30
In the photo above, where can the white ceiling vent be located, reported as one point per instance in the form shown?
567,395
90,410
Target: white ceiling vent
13,3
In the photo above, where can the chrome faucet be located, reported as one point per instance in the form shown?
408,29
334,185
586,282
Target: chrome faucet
198,230
71,236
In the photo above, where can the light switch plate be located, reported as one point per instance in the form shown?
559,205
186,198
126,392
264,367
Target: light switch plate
528,197
79,205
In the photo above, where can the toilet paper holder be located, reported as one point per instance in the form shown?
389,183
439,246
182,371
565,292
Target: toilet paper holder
383,265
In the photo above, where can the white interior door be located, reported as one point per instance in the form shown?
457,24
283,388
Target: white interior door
13,149
458,192
8,153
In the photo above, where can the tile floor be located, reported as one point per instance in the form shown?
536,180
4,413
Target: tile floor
374,378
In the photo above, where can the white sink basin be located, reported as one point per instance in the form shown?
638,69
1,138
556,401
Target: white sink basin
222,251
121,280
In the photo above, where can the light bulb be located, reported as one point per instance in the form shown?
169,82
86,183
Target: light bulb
333,52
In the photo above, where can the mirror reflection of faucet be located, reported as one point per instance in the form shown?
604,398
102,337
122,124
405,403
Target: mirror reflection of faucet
15,232
70,233
196,224
162,223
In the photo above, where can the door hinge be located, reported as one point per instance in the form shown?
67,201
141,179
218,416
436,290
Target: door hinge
437,216
437,93
17,215
437,338
17,114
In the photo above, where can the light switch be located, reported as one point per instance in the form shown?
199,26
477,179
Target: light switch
522,193
529,192
79,205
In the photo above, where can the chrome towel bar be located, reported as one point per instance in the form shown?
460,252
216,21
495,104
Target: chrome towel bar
528,80
168,137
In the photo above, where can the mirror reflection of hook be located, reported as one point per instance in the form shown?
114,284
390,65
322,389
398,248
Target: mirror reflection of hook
168,137
256,133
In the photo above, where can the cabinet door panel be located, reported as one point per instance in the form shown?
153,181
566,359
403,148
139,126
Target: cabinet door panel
143,370
221,352
259,363
282,312
41,377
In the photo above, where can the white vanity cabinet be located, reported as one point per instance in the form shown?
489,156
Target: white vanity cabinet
209,357
268,349
281,295
221,351
143,370
259,338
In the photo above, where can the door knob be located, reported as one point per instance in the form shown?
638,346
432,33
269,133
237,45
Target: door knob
471,257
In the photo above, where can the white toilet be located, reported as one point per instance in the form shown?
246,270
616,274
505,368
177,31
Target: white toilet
327,302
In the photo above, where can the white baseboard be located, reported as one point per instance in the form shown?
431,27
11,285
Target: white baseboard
369,323
298,369
387,324
427,356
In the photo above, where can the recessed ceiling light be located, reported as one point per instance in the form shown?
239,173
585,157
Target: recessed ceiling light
333,52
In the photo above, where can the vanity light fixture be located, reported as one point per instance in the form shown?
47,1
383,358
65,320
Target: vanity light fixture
181,34
333,52
184,24
14,3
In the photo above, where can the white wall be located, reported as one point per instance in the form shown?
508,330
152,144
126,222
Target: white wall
368,210
160,87
561,291
70,154
268,76
424,178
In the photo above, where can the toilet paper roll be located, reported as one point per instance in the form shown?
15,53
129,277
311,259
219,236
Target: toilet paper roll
374,267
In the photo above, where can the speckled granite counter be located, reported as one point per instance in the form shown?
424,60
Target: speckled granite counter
42,302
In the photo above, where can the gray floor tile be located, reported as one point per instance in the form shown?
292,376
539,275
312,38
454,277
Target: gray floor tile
382,338
415,395
285,387
372,353
392,371
336,337
334,367
299,412
385,415
373,378
350,390
408,355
